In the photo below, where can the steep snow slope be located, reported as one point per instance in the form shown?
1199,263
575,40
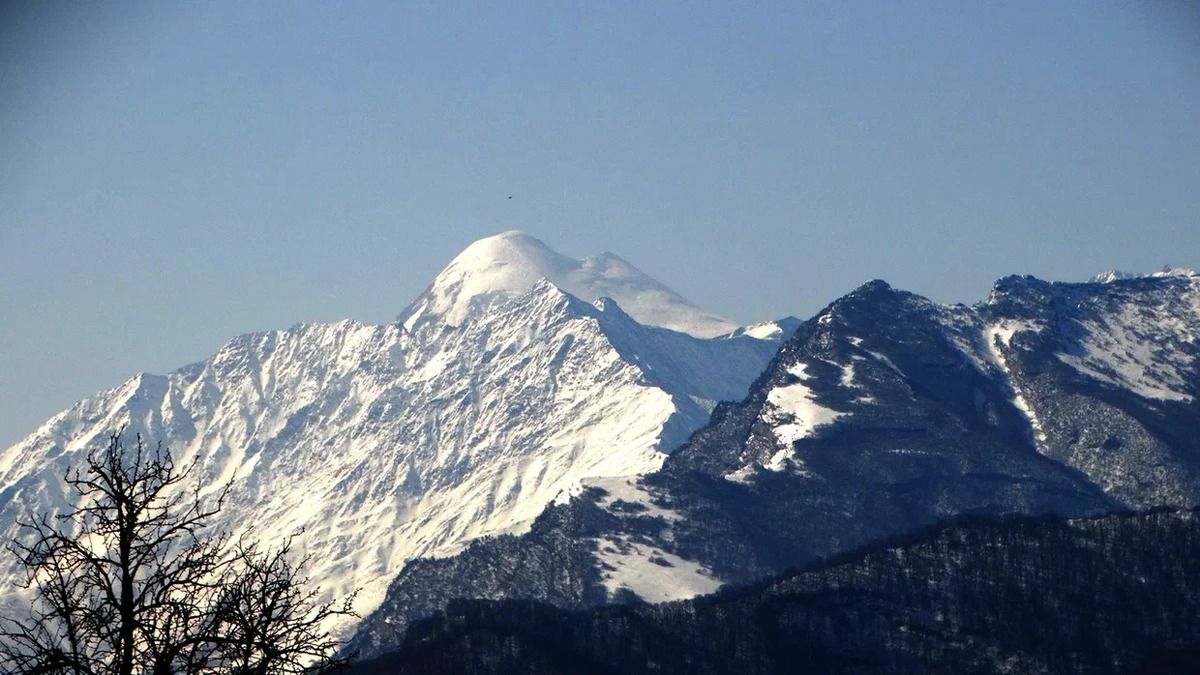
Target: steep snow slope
385,443
512,261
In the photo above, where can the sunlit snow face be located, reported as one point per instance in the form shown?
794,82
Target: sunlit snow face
387,442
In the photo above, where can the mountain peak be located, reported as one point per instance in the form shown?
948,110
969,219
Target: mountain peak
510,263
872,287
513,249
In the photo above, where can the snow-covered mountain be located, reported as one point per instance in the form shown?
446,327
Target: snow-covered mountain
509,263
884,413
495,391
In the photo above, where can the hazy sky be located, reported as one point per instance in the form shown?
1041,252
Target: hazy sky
174,174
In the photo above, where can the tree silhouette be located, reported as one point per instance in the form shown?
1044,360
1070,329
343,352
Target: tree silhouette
129,580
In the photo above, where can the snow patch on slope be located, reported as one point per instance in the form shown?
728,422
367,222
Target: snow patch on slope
626,491
1002,333
653,574
1135,348
795,412
628,565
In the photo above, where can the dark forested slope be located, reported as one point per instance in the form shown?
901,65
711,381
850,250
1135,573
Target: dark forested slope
1114,594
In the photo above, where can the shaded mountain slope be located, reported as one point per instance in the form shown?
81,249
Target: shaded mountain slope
1116,594
883,414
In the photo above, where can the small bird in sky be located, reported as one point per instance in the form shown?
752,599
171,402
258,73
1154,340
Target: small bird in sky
510,196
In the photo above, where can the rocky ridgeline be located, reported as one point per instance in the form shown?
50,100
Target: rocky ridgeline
883,414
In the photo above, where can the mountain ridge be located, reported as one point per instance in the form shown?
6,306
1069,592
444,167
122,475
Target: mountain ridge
883,413
381,443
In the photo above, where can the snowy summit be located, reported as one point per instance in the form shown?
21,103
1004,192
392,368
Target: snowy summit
381,442
510,263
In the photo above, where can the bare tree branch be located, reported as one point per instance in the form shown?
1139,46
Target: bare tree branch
131,581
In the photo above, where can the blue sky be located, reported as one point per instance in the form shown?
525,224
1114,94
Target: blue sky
174,174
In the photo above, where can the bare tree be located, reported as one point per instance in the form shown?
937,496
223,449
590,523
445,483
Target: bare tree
131,581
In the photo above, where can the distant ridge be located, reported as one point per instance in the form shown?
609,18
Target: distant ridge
1117,275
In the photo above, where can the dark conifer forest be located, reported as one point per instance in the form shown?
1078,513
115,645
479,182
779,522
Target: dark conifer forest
1113,594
